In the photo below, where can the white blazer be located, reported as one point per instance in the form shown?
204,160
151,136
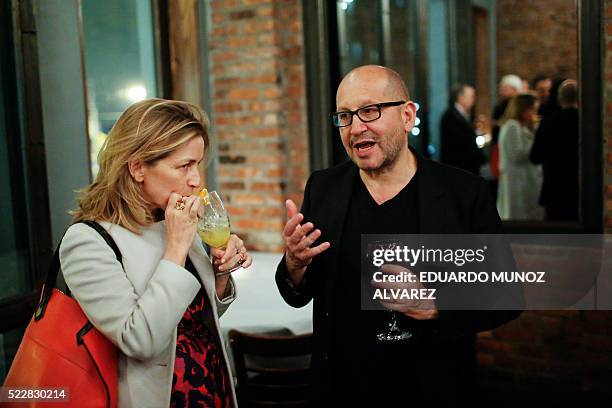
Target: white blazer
138,308
520,181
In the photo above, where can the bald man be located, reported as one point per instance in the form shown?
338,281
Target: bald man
385,188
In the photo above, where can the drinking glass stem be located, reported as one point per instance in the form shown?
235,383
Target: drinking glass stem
393,325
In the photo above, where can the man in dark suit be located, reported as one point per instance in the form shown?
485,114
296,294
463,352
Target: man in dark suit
457,135
556,148
386,188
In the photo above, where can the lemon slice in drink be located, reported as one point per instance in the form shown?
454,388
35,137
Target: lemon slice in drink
203,194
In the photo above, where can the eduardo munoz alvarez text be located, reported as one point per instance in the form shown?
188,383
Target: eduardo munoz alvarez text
446,277
458,257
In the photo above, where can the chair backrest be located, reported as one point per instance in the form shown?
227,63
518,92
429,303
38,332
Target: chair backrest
272,370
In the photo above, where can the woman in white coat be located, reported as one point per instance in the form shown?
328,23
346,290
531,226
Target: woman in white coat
520,181
162,308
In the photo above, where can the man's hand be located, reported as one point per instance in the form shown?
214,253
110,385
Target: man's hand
419,309
298,240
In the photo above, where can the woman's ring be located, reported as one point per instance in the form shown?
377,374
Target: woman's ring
180,204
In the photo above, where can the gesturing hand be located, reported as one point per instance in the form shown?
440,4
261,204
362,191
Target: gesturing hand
298,240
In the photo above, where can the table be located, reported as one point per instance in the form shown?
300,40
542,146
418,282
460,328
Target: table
259,307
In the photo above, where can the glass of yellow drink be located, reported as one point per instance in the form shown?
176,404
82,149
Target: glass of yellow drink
214,225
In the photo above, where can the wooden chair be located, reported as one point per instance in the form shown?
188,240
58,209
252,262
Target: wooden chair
272,370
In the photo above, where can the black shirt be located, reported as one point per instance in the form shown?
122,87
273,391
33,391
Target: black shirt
353,330
374,373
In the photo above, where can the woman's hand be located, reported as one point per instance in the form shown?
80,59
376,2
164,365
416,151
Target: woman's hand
181,218
234,254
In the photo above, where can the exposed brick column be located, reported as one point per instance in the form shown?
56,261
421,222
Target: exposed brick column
259,113
295,130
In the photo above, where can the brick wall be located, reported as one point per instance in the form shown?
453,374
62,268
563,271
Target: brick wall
535,36
552,355
547,356
259,112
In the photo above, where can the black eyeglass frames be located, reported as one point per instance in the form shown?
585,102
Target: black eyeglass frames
367,113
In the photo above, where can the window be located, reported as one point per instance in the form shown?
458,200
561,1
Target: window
120,63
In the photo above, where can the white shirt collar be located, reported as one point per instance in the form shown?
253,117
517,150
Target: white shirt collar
462,111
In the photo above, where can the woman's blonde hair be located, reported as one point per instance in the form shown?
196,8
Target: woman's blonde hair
517,107
147,131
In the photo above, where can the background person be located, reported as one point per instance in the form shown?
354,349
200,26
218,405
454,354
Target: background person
556,149
457,134
519,179
542,86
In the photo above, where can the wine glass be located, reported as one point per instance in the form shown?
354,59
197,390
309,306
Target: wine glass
214,225
391,332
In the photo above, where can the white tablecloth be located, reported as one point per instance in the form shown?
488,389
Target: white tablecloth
259,306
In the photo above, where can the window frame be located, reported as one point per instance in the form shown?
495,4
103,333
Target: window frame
26,140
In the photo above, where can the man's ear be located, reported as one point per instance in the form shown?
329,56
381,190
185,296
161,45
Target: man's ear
409,115
137,170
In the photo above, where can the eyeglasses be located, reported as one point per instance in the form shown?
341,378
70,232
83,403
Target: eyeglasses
366,114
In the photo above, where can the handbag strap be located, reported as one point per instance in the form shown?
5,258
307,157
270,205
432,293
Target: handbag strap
55,267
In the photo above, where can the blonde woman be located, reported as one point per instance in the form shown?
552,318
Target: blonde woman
162,308
519,180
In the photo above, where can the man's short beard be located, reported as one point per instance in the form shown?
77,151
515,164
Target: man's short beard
389,159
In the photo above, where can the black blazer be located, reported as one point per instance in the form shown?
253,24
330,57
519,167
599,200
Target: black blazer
458,142
556,148
449,201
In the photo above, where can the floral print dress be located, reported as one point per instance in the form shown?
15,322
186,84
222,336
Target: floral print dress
201,378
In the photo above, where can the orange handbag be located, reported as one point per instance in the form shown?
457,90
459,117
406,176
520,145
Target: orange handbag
61,349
